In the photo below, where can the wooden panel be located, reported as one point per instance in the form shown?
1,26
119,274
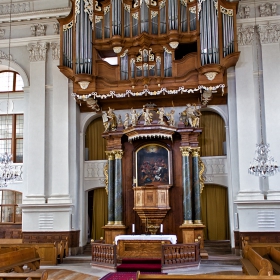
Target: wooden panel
51,237
140,248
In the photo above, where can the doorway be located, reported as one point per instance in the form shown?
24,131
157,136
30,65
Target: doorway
214,212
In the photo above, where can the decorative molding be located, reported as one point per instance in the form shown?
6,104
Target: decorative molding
5,56
2,33
214,166
16,8
38,30
41,30
268,9
55,28
55,50
37,51
245,34
269,33
94,169
211,75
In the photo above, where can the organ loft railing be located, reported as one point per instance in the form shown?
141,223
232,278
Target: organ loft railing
166,44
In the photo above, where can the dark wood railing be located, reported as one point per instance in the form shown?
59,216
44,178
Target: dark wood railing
104,255
180,255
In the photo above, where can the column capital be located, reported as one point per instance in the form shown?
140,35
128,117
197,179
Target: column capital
110,155
37,51
195,151
185,151
118,154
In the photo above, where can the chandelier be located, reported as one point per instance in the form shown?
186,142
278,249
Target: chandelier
263,164
8,172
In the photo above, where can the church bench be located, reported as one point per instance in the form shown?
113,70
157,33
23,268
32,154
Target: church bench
15,260
273,255
254,264
7,250
25,276
146,276
49,252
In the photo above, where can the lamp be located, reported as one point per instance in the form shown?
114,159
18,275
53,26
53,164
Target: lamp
8,171
263,164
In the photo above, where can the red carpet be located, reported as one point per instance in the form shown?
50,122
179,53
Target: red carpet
122,275
142,265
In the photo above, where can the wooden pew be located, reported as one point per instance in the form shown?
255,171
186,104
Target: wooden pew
25,276
273,255
15,260
254,264
145,276
7,250
48,252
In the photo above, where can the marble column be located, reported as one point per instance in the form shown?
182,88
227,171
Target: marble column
196,185
111,187
118,187
186,182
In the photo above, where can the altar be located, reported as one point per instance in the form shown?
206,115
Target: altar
142,246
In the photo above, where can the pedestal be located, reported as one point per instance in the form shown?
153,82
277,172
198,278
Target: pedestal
111,231
193,233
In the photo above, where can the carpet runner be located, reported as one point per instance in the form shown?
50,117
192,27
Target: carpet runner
142,265
124,275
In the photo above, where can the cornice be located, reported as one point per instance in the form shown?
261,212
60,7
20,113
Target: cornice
35,15
22,42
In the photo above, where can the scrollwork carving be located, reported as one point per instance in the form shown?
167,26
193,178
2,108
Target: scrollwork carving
2,33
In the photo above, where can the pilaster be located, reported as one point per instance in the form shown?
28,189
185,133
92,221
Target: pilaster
59,181
35,162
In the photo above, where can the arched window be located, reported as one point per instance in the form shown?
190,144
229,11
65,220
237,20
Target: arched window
10,81
9,210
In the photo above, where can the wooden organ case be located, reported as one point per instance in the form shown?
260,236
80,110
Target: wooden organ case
169,53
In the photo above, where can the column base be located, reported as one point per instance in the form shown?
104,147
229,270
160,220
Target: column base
111,231
194,233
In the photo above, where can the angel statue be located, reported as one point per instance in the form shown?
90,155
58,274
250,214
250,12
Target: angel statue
134,117
171,117
109,120
148,117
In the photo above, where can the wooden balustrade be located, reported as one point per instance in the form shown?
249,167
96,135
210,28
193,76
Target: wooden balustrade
180,255
104,255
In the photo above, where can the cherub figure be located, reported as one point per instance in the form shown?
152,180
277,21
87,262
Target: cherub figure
134,117
171,120
161,113
126,121
148,117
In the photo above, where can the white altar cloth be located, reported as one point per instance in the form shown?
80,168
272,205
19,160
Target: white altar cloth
171,238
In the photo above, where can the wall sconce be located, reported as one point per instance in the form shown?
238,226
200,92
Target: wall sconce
84,84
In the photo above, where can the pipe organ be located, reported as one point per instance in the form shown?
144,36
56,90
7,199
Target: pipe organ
161,47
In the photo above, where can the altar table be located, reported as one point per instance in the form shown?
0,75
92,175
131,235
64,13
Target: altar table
142,246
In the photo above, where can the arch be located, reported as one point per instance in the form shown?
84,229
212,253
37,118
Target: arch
218,110
88,118
12,65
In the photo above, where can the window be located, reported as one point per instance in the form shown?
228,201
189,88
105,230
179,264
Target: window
11,136
10,81
9,210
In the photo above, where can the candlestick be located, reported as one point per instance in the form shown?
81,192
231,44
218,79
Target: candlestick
161,228
133,228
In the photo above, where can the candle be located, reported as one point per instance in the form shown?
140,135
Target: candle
161,228
133,228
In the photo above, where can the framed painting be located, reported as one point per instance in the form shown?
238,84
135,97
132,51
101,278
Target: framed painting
153,165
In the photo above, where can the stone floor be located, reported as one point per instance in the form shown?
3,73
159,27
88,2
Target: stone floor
80,268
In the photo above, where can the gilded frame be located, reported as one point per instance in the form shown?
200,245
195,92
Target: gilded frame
153,165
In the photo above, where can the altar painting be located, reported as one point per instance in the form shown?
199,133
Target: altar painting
153,167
